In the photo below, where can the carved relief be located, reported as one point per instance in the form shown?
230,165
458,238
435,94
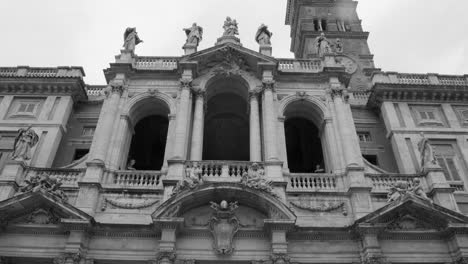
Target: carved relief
43,182
400,189
325,206
43,217
165,257
275,258
223,226
68,258
255,178
227,62
407,222
128,202
191,181
375,260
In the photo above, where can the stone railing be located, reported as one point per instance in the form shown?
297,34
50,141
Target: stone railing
314,182
222,170
68,177
458,185
291,65
382,182
156,63
94,90
133,179
420,79
29,72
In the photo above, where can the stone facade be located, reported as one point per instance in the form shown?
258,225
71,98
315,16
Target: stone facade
267,194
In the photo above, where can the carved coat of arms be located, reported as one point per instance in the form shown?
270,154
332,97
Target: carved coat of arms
223,226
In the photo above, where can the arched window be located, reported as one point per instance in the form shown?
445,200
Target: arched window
303,140
226,129
147,146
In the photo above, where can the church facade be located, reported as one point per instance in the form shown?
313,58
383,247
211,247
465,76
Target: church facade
230,155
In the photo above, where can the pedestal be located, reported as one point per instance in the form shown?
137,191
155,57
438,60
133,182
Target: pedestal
11,178
266,50
439,189
126,56
228,39
189,48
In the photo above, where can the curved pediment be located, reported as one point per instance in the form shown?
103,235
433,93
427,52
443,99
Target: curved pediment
266,205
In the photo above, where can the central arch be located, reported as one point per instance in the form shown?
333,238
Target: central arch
226,128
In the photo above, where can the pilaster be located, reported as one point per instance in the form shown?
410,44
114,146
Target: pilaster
167,246
10,179
439,189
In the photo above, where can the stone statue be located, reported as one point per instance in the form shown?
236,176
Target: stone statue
192,179
263,35
338,46
427,152
230,27
418,190
131,39
401,188
254,178
322,45
194,35
24,142
397,190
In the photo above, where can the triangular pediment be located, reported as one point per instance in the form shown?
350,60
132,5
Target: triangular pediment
40,207
412,213
228,55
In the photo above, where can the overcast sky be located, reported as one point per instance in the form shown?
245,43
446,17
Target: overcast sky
406,35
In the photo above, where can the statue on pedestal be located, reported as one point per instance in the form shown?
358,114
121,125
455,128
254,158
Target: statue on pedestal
192,179
194,35
230,27
322,45
338,46
263,35
131,39
427,153
24,142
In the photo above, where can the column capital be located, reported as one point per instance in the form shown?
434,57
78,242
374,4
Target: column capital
268,84
253,94
338,92
171,116
186,83
281,119
114,88
165,256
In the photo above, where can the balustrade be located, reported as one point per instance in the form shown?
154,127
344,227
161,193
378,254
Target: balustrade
60,72
156,63
452,80
134,179
94,90
313,182
459,186
288,65
222,170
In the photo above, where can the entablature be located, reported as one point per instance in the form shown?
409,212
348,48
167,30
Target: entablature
393,86
28,80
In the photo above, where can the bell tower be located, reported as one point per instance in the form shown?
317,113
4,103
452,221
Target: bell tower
339,21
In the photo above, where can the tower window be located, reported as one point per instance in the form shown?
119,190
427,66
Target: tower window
364,136
316,25
324,24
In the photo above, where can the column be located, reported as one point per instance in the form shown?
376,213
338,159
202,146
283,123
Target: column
255,143
282,142
169,140
105,124
344,130
180,142
269,131
118,145
198,125
331,146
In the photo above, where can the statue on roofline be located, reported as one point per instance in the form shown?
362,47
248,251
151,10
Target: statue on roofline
230,27
263,35
131,39
194,34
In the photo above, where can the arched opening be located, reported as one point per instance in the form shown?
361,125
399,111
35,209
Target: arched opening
149,142
150,131
303,141
226,130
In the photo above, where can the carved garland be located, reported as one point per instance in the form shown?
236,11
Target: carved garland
324,207
128,205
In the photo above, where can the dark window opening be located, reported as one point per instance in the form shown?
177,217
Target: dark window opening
79,153
324,25
149,143
316,25
372,159
226,131
303,145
